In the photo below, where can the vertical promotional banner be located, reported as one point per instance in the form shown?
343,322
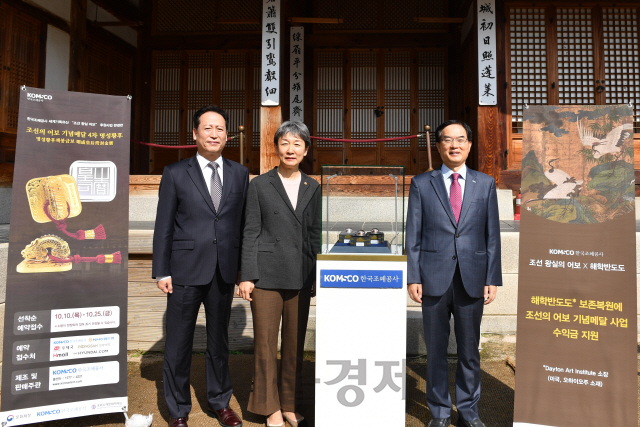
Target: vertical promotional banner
487,84
271,52
576,353
296,77
65,327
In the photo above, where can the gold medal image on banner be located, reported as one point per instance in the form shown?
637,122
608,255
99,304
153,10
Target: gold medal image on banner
36,255
59,193
50,253
56,198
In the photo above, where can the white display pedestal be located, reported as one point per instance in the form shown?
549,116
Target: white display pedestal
361,334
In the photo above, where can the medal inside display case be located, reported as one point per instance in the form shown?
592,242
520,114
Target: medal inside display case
363,210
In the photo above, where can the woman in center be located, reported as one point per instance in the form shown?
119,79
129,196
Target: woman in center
279,246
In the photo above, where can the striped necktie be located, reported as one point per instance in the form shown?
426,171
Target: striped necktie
216,185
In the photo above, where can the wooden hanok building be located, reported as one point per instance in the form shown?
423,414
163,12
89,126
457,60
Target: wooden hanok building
373,69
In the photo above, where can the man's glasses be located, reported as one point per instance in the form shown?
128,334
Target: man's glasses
460,140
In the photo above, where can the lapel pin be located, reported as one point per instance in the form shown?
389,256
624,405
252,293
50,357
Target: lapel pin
305,183
474,181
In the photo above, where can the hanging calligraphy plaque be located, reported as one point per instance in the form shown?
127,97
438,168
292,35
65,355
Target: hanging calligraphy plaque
487,81
271,30
296,77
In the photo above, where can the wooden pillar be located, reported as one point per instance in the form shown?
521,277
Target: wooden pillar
270,121
78,51
491,135
142,95
489,141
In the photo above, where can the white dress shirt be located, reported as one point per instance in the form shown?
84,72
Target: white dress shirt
446,175
207,171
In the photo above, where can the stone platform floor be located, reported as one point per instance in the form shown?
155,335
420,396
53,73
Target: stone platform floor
146,395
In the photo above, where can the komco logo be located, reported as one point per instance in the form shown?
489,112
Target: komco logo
341,278
39,96
64,371
44,413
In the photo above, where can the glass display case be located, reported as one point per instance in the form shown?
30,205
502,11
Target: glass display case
363,210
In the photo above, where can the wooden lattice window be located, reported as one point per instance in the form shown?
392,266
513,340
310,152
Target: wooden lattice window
528,59
166,98
200,79
621,58
397,98
432,72
579,66
378,93
330,98
109,67
256,100
232,90
20,62
575,56
186,81
97,67
364,97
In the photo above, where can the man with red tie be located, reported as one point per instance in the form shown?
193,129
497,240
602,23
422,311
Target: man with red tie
453,257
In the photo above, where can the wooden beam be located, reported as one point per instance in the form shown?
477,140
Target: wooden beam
270,121
117,23
310,20
121,9
208,42
438,20
78,51
378,40
238,21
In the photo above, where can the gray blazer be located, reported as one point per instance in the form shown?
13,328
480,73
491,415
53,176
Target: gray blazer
280,244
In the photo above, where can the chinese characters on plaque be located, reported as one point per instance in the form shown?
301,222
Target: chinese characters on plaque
487,81
296,91
271,30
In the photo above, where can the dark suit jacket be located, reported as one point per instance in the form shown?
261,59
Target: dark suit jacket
190,239
435,243
280,244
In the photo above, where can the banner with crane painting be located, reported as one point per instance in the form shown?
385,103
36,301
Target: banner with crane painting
577,327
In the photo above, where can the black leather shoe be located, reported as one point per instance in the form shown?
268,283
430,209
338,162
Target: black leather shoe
177,422
440,422
473,423
228,417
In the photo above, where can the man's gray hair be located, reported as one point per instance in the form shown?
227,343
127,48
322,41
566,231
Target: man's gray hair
298,129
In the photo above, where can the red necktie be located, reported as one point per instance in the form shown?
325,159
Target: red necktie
456,196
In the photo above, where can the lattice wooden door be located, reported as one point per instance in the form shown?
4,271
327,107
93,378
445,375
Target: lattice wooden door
20,61
375,93
185,82
571,55
576,61
364,99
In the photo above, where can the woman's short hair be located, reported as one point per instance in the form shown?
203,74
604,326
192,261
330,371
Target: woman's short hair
298,129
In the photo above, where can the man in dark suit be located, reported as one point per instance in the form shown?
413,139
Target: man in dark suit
196,251
453,256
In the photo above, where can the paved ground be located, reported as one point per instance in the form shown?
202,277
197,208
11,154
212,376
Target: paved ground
145,390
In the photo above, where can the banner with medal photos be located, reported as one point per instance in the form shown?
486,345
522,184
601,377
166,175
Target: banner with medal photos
65,327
